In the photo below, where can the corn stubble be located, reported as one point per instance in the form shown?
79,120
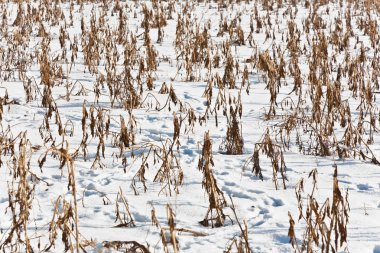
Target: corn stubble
315,117
216,197
20,196
275,153
326,224
169,233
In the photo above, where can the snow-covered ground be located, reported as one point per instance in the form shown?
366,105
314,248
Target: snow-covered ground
90,91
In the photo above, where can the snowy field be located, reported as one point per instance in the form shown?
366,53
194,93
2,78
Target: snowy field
189,126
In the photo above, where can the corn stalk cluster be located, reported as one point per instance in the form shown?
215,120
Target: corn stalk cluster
326,223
